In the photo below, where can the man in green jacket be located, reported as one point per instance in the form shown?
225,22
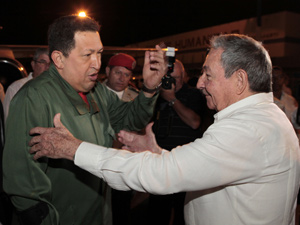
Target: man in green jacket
56,191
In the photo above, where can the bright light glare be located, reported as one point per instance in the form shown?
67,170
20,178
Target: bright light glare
82,14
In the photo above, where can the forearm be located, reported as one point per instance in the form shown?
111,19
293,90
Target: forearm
121,169
149,95
187,115
165,173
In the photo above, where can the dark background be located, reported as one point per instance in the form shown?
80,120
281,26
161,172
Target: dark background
124,22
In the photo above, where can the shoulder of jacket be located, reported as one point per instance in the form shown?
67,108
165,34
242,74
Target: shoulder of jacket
131,88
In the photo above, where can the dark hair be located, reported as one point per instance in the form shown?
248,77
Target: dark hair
243,52
278,78
279,73
61,33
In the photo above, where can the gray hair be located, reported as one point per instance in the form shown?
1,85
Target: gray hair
40,51
243,52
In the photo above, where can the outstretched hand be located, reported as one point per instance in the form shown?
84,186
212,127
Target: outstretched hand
55,142
139,143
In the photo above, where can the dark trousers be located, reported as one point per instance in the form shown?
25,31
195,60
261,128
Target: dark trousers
121,201
166,209
6,209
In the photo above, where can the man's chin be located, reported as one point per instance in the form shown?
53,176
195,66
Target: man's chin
90,87
209,102
118,89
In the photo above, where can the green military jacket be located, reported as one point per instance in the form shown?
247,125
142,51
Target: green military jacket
72,195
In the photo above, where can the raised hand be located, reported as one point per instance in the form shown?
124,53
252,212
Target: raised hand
155,67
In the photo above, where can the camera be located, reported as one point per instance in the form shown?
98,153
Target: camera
168,80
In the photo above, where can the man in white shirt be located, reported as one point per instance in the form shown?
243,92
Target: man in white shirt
39,64
244,170
284,100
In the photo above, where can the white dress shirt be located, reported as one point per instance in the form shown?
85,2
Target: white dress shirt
245,169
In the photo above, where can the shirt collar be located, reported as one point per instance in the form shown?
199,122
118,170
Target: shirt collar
119,93
30,76
260,98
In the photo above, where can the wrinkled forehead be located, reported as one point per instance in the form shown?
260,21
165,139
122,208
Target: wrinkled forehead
88,40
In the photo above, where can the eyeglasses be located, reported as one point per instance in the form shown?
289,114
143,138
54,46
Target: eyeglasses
45,63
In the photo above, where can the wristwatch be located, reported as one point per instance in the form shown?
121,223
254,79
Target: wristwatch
151,91
171,103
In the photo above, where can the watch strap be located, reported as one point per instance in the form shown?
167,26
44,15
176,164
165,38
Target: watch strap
151,91
172,102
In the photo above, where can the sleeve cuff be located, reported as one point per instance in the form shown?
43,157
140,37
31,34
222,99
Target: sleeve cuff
87,157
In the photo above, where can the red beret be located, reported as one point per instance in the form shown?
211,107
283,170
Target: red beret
122,59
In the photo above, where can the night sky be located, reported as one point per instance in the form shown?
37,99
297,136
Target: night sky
127,21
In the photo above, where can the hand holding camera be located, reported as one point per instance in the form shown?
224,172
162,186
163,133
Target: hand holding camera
168,80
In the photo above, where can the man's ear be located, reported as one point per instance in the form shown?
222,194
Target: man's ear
242,81
58,59
32,64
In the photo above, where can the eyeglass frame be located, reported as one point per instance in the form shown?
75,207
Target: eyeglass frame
42,62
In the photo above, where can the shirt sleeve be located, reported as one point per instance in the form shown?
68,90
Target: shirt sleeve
8,96
217,159
24,178
133,115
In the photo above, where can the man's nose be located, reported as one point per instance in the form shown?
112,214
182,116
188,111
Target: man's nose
96,62
200,83
122,77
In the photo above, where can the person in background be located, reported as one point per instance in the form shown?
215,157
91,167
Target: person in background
40,63
285,86
244,170
287,102
6,208
119,72
277,84
57,192
177,119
